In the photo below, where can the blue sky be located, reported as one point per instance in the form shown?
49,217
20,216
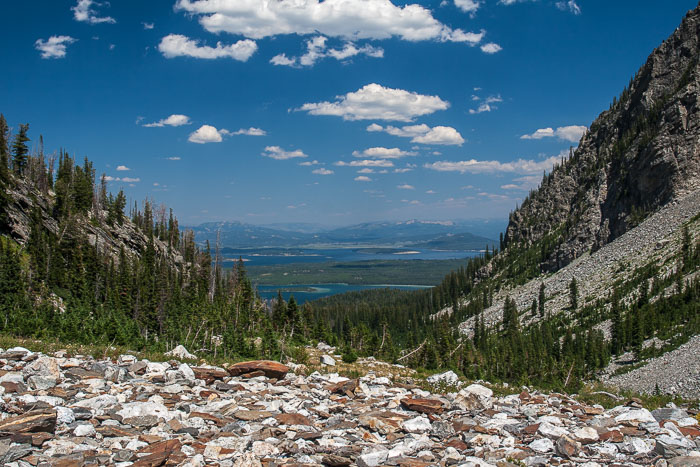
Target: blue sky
335,111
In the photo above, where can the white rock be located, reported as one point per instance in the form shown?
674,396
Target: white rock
542,445
419,424
84,430
688,421
372,459
551,431
263,449
12,377
327,360
64,415
637,415
138,409
479,390
471,461
452,455
43,366
181,352
186,372
448,377
135,445
154,368
126,360
97,403
246,460
586,435
51,400
41,382
173,389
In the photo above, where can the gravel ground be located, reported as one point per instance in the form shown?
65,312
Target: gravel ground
676,372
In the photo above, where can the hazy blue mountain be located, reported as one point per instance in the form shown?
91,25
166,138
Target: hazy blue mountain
407,233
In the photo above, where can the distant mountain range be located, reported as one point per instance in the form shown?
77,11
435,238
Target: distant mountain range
456,235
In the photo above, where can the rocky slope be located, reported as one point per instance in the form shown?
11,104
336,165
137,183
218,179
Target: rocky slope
65,410
656,239
676,372
24,198
637,157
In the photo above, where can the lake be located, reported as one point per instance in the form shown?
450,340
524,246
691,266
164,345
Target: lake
267,257
305,293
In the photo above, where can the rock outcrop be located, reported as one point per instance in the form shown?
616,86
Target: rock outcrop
108,239
141,413
636,157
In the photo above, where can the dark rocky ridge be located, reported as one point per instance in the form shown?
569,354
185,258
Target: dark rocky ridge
638,156
24,198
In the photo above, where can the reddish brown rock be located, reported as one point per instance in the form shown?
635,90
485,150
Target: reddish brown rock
251,415
690,431
35,439
336,461
344,387
30,422
293,419
613,436
209,375
567,447
269,368
427,406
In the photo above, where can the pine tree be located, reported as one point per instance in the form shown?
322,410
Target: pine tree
573,294
20,151
541,300
4,150
618,331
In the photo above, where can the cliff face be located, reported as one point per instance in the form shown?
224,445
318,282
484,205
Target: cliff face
108,239
638,156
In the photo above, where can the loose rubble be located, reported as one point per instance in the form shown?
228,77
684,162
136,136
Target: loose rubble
141,413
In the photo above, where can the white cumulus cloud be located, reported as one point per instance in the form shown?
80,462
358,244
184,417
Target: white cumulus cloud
173,120
83,11
54,46
207,134
277,153
467,6
571,6
349,19
252,131
177,45
366,163
477,167
571,133
491,48
122,168
316,49
442,135
322,171
376,102
362,178
383,153
406,186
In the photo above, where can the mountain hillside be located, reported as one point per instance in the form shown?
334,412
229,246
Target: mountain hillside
637,156
598,274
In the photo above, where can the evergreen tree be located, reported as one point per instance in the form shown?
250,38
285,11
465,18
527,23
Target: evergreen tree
20,151
573,294
4,150
541,300
618,336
